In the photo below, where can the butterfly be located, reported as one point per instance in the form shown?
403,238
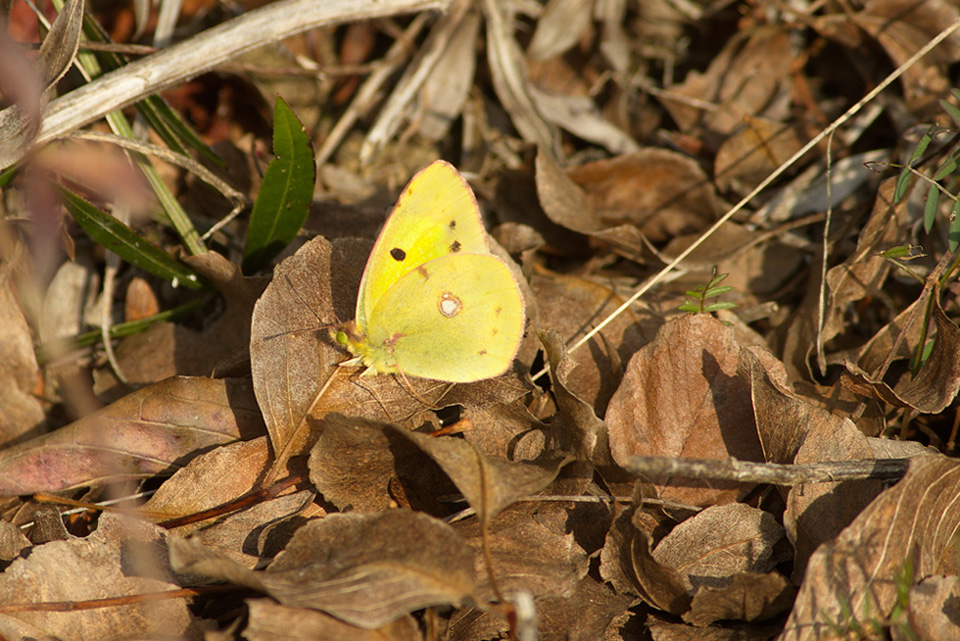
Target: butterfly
434,301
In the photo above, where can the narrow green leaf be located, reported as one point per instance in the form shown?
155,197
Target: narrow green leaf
922,145
901,251
930,207
947,167
713,307
951,110
953,236
126,243
689,307
903,181
713,292
285,193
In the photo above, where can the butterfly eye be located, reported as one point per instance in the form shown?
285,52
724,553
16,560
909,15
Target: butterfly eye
449,305
398,254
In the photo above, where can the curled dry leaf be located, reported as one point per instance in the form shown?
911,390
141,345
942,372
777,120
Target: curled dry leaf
630,200
489,484
680,396
901,29
152,431
119,560
576,426
936,385
250,536
365,569
573,306
909,531
20,123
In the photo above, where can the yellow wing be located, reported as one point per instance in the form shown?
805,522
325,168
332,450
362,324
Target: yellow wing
436,215
457,318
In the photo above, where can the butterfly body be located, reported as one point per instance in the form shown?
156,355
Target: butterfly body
434,302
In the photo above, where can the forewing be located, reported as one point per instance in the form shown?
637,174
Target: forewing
436,215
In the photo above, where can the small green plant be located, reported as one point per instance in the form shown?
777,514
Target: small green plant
712,289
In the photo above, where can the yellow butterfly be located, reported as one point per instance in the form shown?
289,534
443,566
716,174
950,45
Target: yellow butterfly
434,302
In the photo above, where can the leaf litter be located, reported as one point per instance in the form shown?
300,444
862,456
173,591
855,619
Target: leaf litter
295,500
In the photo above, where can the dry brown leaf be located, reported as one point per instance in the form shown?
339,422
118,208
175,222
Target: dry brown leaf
248,536
364,569
752,152
531,550
911,526
561,25
583,616
121,559
576,427
509,75
660,585
489,484
653,194
748,597
817,512
355,461
680,397
20,409
269,621
573,306
933,608
860,276
446,89
713,546
152,431
936,386
902,27
748,78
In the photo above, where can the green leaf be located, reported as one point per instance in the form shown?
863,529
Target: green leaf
951,110
953,235
713,307
947,167
285,193
901,251
930,207
903,181
713,292
126,243
689,307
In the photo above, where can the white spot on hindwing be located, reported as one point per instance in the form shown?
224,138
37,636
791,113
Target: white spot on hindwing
449,305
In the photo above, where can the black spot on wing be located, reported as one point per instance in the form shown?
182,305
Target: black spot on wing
452,224
398,254
455,246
